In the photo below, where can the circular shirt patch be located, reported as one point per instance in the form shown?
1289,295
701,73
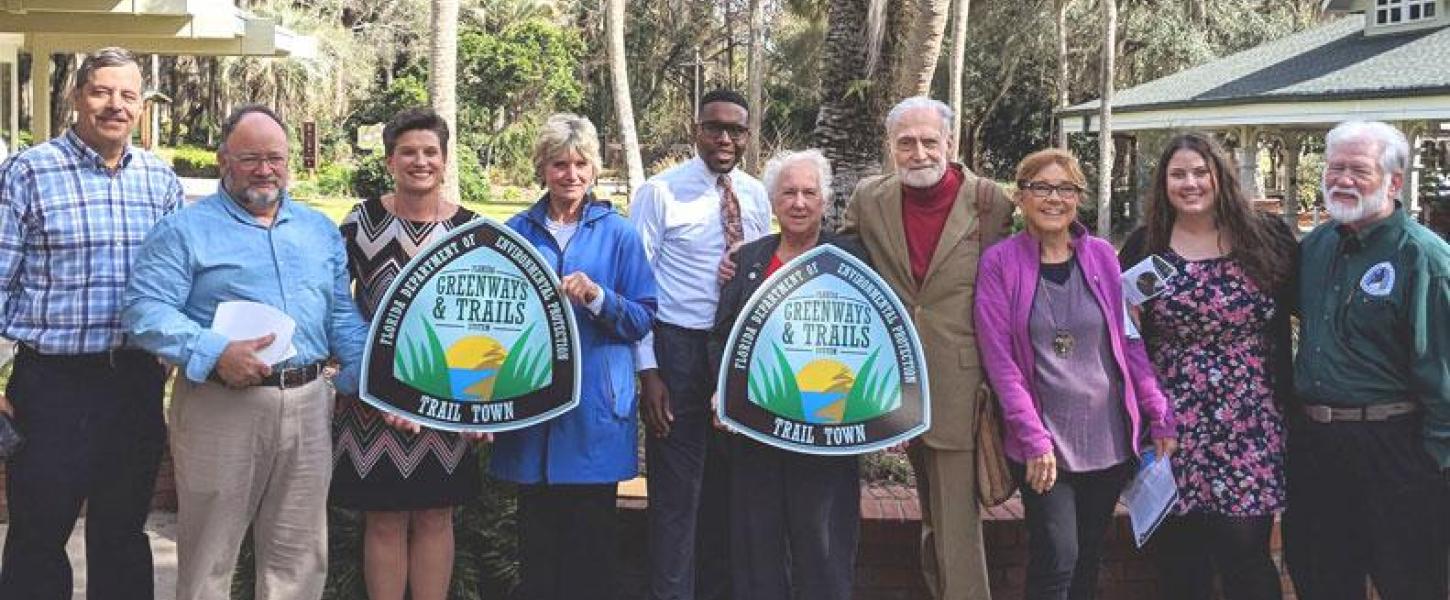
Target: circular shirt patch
1378,280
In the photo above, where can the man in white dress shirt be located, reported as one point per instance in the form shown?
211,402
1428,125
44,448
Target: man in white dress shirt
688,216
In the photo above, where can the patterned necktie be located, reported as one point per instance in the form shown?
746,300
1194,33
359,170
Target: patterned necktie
730,213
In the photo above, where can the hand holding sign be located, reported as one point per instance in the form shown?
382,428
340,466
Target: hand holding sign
580,289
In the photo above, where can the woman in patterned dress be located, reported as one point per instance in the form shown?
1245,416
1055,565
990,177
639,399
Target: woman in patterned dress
1219,338
405,478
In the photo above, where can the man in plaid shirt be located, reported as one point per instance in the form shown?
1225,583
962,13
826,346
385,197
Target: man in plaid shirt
73,212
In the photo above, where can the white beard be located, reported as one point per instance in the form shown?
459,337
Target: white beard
1371,204
922,178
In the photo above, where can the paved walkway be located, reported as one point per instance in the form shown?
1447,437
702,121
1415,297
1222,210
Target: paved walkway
160,527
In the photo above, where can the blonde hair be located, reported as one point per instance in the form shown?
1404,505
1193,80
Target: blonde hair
562,133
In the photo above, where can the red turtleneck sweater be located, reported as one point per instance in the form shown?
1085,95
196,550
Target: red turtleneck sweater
924,214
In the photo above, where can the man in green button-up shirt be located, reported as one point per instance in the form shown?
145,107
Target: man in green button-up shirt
1369,450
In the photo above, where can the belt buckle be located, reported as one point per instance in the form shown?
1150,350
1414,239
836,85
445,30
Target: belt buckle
1319,413
285,376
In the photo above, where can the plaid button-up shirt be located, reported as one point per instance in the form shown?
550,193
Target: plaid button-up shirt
69,228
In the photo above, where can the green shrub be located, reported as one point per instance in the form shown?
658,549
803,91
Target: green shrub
194,161
371,179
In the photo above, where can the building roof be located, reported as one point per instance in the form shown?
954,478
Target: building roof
1335,61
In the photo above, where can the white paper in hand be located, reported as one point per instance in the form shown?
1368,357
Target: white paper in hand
1146,279
1150,496
243,320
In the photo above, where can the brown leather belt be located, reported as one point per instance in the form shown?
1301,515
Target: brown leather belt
1374,412
282,378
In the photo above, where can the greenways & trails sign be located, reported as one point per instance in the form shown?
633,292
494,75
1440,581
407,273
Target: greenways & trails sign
823,359
474,335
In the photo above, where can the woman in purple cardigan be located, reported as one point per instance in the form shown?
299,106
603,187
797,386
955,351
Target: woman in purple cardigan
1076,392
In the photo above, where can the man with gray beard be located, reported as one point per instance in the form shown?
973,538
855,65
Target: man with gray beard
925,226
252,441
1368,467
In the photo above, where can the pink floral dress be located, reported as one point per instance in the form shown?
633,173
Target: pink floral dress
1207,334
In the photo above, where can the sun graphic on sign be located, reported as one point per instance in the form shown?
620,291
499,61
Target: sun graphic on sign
473,366
825,384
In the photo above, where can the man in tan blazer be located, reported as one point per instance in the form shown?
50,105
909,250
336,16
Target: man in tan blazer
925,226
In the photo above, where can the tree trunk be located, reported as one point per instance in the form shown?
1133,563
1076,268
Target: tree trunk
756,76
849,128
960,10
1062,74
924,38
443,84
1105,121
62,81
623,105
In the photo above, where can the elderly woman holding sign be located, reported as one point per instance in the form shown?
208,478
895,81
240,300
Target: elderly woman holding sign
567,468
794,517
1076,392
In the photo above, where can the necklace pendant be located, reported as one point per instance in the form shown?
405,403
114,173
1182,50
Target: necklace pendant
1063,342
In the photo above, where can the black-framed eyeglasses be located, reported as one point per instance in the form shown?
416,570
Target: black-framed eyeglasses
1066,191
713,129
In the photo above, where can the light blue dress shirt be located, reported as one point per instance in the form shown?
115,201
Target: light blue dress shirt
214,251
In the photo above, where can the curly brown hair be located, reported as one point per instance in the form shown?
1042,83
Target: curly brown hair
1266,254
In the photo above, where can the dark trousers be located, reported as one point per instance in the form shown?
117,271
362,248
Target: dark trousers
1189,549
688,478
1065,529
794,523
94,435
1365,499
566,541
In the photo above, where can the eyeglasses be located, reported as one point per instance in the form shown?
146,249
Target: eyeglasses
252,162
1066,191
713,129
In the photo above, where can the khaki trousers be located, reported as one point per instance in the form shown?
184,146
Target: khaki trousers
952,559
261,458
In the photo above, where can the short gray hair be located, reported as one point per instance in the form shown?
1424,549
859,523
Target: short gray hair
112,56
1394,147
899,111
811,157
566,132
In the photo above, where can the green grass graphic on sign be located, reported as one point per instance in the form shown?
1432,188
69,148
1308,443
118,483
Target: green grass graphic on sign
423,364
874,393
524,369
775,390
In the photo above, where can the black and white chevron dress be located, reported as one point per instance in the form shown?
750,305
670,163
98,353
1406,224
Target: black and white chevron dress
376,467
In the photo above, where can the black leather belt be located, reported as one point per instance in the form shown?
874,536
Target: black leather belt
1374,412
106,359
282,378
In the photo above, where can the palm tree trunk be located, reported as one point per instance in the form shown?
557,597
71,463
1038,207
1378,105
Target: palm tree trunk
960,10
443,83
623,105
924,37
849,128
1105,121
755,64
